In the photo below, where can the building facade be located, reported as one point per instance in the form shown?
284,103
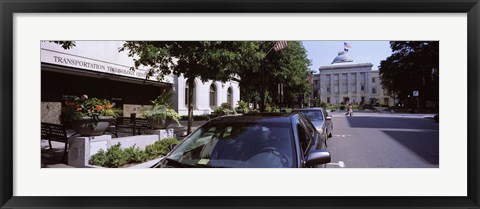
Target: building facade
98,69
345,82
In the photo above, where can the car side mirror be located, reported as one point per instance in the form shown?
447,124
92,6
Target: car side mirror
318,157
329,117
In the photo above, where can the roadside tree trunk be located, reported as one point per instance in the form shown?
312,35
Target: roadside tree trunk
190,82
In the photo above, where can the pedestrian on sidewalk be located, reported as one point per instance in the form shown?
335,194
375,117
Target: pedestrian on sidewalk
349,110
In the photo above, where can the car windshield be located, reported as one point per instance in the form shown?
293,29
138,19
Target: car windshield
237,145
313,115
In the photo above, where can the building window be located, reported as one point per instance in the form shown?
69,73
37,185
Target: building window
186,95
213,96
373,80
316,82
328,89
229,96
374,91
362,88
328,99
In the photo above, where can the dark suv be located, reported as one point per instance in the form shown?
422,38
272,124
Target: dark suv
251,141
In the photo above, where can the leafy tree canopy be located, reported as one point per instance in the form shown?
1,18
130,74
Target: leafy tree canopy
289,66
413,66
216,60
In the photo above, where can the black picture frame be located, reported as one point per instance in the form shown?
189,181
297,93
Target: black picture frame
10,7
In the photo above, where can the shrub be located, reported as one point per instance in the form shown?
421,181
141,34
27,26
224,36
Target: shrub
161,112
254,111
116,157
268,107
224,109
243,107
162,109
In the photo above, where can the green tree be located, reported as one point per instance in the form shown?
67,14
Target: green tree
206,60
289,66
413,66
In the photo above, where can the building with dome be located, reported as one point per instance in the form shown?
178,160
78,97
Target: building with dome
345,81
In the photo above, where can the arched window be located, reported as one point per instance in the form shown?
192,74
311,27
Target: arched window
213,96
230,96
186,94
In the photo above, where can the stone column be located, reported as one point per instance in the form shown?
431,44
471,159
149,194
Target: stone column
367,86
332,90
349,90
340,89
357,83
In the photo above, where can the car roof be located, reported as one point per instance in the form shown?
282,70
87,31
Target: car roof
309,108
255,117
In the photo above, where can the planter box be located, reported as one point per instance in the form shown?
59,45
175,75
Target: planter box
84,127
83,147
147,164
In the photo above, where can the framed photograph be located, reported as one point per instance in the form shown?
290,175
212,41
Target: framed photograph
356,87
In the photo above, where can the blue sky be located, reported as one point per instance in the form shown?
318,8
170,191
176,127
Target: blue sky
323,52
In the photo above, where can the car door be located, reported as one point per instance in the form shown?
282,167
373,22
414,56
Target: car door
304,141
311,136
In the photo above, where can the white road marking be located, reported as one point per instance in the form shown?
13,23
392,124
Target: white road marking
340,164
343,135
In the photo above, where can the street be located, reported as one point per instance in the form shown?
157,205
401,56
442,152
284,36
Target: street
384,140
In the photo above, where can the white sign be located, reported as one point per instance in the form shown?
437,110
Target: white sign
57,58
415,93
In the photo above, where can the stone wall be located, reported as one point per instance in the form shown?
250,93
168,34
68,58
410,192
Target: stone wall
51,112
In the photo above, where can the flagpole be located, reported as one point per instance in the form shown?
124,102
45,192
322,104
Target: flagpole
262,92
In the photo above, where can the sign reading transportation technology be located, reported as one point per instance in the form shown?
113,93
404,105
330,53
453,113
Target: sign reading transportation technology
58,58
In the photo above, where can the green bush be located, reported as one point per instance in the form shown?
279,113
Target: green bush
100,158
268,108
242,107
116,157
254,111
224,109
162,109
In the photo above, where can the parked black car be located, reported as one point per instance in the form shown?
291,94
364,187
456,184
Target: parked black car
250,141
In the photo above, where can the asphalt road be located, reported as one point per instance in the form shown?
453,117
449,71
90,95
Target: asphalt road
384,140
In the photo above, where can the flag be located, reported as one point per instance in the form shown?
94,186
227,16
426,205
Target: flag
346,45
280,45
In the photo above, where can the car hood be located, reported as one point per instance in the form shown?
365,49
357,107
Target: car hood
318,123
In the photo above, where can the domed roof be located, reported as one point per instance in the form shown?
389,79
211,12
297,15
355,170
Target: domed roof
342,58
